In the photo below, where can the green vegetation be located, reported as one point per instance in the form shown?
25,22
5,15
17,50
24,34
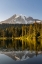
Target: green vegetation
24,32
16,45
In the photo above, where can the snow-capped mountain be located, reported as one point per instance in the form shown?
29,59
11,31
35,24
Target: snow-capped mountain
20,19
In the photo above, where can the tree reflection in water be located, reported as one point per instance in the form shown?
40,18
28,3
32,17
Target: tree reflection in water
32,45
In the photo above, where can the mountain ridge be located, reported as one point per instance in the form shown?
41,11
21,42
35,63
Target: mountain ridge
20,19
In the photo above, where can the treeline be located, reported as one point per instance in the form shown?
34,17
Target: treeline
32,30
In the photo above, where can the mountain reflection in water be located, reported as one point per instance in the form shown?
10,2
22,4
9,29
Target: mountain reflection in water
21,49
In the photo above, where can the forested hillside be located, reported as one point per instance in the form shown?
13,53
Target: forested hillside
19,30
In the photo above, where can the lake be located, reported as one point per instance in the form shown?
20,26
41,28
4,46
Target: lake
21,51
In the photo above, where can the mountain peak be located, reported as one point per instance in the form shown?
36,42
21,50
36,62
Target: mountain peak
30,17
20,19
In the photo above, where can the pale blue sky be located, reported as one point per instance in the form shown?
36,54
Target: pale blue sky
26,7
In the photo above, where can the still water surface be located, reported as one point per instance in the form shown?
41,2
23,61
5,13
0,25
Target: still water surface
21,51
